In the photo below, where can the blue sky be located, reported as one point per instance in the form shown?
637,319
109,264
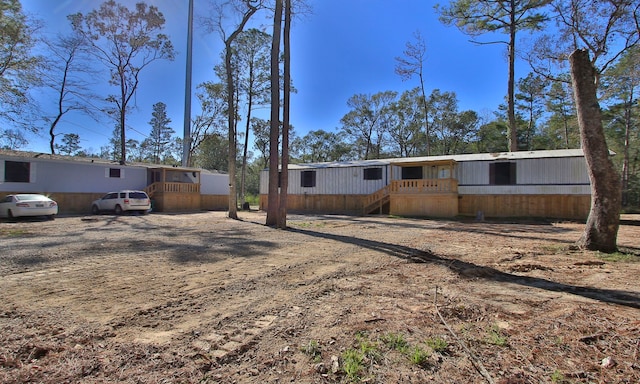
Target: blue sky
342,48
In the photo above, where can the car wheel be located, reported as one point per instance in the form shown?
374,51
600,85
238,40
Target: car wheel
95,210
118,210
51,217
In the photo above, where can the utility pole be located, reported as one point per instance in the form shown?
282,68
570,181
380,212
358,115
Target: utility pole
186,138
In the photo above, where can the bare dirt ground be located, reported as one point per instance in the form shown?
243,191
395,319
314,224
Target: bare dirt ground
200,298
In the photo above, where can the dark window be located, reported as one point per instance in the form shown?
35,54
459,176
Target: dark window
138,195
502,173
409,173
308,179
17,171
373,173
112,195
114,172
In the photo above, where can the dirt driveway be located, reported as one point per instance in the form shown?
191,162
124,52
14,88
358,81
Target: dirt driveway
201,298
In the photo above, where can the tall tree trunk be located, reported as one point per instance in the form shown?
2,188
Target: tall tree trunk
284,180
274,132
625,160
426,115
232,110
123,142
601,230
231,121
513,136
243,174
123,115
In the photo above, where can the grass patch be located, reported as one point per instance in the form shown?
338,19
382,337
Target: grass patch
618,257
352,364
556,249
438,344
395,341
14,232
557,377
418,356
360,362
496,337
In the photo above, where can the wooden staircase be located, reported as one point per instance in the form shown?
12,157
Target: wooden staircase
375,202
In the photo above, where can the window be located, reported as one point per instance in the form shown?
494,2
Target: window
17,171
109,196
308,179
373,173
138,195
409,173
114,172
502,173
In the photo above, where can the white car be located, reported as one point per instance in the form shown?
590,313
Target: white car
28,204
122,201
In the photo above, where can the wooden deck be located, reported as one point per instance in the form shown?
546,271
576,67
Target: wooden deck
174,197
422,197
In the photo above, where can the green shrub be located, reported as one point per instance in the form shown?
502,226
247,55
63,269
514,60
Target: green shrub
418,356
438,344
496,337
395,341
352,366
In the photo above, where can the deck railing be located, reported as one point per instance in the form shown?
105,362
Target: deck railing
376,196
424,186
420,186
162,187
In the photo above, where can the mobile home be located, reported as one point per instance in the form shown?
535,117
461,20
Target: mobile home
552,184
75,182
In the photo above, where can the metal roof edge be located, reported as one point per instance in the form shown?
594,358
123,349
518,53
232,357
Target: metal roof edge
551,153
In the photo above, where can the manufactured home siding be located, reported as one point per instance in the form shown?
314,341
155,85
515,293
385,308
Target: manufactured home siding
559,171
552,171
214,191
330,181
214,184
68,176
473,173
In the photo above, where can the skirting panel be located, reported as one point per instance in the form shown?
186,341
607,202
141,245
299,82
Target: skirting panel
575,207
214,202
176,202
543,206
427,205
330,204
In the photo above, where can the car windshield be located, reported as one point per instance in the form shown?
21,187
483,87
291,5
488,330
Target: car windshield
137,195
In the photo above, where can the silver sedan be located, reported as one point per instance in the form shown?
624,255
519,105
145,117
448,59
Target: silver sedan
12,206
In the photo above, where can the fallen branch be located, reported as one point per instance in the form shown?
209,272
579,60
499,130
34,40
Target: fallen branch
474,360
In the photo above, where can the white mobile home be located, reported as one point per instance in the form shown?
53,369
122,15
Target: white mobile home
552,184
75,182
